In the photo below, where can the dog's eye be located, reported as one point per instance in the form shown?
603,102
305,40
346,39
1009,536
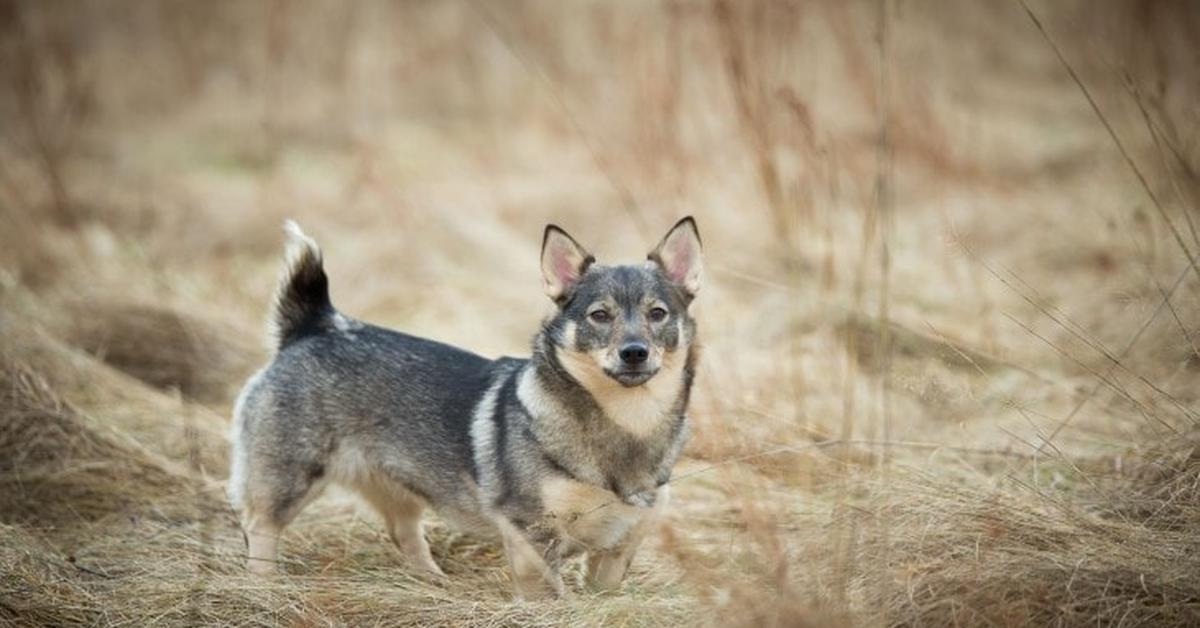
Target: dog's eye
600,316
657,314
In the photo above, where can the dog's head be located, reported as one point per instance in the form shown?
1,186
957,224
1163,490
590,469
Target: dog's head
626,322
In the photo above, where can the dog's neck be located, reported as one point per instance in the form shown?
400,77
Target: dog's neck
624,440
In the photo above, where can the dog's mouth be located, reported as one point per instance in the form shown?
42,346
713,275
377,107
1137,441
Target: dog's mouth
631,377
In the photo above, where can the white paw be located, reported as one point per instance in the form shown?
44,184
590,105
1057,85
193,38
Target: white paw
643,499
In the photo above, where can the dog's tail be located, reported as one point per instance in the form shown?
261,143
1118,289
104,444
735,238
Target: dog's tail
302,306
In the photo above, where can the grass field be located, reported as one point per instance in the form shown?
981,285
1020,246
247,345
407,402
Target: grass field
949,322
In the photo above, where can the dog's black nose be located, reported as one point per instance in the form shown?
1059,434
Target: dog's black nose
634,353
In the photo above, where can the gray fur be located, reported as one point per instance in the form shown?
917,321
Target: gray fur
406,419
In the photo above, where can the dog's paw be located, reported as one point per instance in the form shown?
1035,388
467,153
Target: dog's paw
641,499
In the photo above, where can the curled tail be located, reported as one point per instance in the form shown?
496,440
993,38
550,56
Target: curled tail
302,306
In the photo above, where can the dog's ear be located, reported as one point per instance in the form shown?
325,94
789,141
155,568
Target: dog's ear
563,262
678,255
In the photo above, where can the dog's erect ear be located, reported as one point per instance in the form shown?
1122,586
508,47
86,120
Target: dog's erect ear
563,262
678,255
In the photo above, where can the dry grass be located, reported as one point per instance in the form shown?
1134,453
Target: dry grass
950,319
200,358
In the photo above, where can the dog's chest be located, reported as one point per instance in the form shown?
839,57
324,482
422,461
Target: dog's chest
587,516
640,412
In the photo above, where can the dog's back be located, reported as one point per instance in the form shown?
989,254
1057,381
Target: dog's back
399,415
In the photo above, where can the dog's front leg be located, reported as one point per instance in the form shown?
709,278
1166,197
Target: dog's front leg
607,568
534,565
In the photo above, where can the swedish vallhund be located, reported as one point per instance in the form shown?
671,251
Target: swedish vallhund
564,452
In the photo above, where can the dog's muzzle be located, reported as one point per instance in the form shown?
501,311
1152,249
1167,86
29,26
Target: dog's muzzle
630,377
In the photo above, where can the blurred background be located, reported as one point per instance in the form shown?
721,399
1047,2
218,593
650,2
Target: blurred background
949,316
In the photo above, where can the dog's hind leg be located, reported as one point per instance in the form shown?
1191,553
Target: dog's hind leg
262,539
274,494
401,511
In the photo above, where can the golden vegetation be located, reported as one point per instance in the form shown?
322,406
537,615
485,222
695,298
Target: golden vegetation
950,363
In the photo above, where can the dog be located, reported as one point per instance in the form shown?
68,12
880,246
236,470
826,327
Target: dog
566,452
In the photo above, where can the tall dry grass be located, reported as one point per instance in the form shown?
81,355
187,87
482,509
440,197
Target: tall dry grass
949,322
